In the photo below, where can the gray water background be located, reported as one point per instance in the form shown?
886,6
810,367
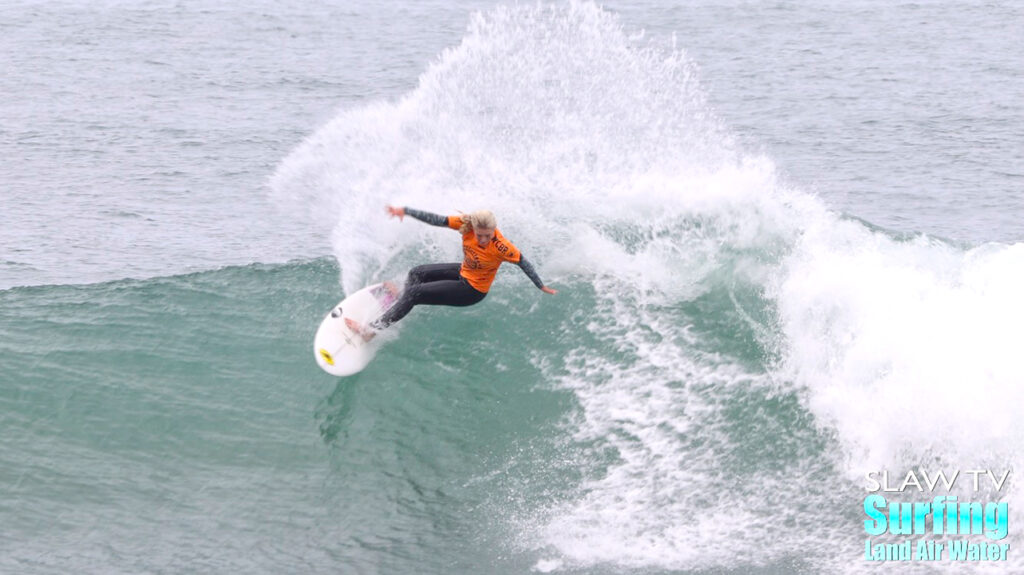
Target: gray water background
136,138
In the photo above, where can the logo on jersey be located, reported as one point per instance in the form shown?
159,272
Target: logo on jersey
504,250
471,260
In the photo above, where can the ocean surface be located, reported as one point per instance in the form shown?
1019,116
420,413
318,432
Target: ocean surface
786,239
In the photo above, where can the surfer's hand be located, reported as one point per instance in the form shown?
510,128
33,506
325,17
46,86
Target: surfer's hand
396,212
546,289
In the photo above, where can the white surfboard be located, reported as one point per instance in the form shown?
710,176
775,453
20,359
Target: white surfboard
338,349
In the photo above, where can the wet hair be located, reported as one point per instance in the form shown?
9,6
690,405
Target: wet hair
478,220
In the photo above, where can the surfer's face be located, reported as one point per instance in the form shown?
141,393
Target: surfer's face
484,237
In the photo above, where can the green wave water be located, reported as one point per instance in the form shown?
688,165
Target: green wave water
180,424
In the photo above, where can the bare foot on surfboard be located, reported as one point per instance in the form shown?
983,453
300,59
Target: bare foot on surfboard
366,333
391,287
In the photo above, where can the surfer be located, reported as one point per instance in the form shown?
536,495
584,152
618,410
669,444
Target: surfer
484,250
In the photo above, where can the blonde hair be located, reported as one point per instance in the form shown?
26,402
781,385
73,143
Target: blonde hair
478,220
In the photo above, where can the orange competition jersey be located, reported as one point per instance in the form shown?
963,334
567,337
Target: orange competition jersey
480,265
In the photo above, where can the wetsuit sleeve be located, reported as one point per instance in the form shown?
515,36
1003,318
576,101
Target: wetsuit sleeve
525,265
432,219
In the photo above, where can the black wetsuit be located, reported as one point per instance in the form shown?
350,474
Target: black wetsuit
439,284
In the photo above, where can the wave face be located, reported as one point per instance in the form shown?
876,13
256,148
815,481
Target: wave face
725,359
724,337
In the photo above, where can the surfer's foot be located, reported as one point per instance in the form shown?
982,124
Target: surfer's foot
365,332
391,287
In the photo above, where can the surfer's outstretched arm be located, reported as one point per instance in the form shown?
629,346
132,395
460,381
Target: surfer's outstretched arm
427,217
525,265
